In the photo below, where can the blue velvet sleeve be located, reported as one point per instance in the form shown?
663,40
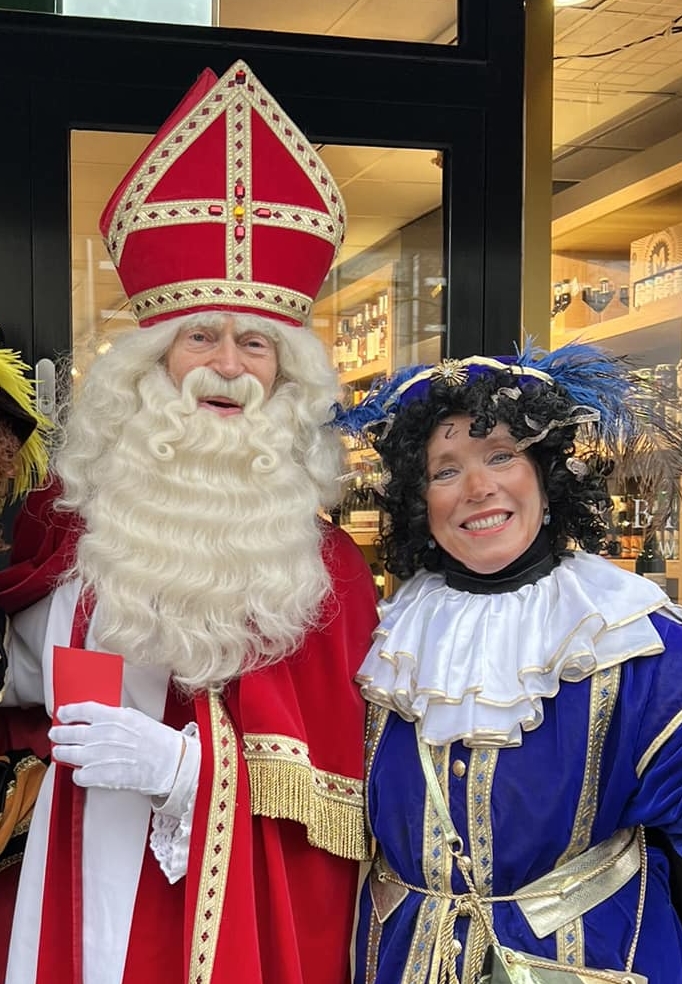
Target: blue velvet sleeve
652,689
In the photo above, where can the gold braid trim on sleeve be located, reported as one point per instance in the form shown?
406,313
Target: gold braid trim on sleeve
21,794
658,743
285,785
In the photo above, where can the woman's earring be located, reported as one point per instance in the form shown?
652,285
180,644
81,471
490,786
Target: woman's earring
547,517
431,543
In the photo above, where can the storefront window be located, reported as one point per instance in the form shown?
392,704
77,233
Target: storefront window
429,21
616,270
617,281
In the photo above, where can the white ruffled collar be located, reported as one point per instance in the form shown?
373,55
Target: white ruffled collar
435,656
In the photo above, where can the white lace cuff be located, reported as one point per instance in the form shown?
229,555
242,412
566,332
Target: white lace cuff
172,815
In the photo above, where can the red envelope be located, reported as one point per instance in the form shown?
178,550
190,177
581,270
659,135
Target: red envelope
83,674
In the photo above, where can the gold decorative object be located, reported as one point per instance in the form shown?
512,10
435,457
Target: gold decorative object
452,372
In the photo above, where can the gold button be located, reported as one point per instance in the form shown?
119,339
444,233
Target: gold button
459,768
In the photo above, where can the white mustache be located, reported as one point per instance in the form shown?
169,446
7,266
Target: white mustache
202,382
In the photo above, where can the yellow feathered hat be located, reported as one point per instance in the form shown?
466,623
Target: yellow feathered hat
18,411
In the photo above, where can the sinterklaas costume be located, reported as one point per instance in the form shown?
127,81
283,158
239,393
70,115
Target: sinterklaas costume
228,209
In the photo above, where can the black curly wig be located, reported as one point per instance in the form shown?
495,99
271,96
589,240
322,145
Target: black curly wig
578,505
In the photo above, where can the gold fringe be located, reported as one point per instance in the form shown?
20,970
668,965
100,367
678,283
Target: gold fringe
330,807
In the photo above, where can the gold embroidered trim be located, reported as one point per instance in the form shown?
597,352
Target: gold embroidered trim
29,762
604,691
21,827
603,695
481,770
376,718
308,220
190,211
234,100
285,784
240,169
217,847
8,862
570,943
180,296
480,773
182,212
155,167
658,742
300,149
375,722
437,870
374,932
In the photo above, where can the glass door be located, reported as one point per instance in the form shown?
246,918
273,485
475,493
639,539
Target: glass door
383,297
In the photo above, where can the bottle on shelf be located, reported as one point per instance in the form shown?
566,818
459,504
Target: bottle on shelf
382,304
379,577
364,517
671,531
347,503
650,562
352,345
360,511
363,329
665,378
613,546
339,347
359,393
625,526
372,326
640,519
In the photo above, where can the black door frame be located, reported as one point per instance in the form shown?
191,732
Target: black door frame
59,73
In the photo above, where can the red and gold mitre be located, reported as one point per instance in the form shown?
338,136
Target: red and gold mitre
229,208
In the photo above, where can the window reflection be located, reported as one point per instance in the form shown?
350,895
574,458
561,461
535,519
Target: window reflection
199,12
428,21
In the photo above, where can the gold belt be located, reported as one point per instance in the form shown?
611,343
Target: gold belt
549,902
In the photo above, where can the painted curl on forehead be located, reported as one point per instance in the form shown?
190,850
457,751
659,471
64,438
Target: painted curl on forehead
578,503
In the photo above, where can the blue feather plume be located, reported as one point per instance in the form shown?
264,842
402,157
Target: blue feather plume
380,403
595,378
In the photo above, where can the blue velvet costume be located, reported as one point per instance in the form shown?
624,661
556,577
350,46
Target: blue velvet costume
607,756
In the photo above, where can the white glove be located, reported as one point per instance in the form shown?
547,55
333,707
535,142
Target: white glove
117,748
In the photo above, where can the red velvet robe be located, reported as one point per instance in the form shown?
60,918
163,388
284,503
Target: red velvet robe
278,824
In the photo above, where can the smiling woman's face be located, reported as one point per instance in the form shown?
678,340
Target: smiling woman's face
484,499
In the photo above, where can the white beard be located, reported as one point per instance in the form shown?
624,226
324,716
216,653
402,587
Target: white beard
203,544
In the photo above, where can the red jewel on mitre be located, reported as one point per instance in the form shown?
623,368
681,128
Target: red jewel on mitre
229,208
